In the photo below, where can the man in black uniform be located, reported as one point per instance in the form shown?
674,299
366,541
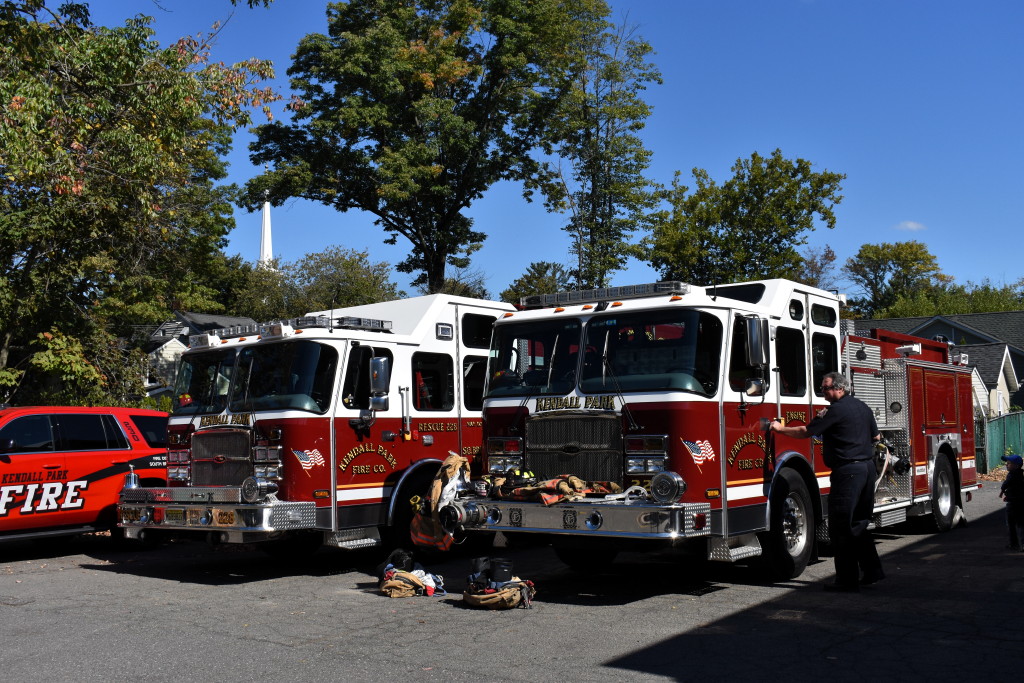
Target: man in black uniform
848,429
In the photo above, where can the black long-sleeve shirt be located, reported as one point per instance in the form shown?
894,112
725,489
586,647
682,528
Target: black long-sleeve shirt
1013,486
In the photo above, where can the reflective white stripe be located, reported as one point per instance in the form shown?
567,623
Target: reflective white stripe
757,490
745,492
373,493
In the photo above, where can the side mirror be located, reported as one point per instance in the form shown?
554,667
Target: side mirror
380,378
753,387
756,343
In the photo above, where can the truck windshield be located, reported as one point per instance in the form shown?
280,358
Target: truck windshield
534,358
203,381
297,375
674,349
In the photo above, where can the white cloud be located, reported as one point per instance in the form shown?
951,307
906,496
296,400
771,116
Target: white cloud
911,226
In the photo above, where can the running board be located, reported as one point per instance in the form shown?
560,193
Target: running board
353,539
734,549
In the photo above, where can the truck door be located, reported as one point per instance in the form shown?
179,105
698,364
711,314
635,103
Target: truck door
475,337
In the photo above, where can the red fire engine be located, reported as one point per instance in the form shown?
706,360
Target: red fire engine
319,429
640,412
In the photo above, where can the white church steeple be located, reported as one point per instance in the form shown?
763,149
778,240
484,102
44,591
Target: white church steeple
266,247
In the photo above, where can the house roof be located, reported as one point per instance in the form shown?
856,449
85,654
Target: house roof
185,323
994,342
989,359
1001,326
203,322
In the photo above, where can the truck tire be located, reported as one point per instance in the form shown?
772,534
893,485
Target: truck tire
398,534
789,541
943,494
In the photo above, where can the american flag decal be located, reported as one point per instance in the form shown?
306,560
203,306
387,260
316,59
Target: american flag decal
309,458
700,451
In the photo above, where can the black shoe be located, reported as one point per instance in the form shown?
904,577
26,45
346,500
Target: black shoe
873,576
842,588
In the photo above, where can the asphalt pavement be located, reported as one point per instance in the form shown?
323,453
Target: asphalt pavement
949,609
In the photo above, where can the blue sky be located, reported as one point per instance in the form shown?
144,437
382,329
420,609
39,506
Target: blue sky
918,102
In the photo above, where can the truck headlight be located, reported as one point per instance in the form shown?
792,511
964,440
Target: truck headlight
503,464
636,465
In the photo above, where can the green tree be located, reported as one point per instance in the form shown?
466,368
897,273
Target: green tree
887,272
412,110
541,277
818,268
747,228
336,278
109,150
596,135
319,281
954,299
468,282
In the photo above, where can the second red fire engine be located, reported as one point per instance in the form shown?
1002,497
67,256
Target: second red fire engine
639,413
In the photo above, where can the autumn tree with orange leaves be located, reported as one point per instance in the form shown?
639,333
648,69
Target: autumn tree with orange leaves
110,150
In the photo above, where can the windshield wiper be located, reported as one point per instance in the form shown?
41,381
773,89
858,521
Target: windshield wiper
551,361
608,371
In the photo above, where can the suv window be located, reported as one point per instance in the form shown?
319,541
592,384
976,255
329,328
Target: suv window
27,434
89,432
153,429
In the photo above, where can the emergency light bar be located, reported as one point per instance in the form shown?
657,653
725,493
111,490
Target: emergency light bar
352,323
196,341
277,329
584,296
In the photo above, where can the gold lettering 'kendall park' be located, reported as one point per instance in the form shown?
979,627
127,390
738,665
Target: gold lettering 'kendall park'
545,403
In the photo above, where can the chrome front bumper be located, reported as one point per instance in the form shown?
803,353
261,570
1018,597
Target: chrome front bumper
588,517
211,509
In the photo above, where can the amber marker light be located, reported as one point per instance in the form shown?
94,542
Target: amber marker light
713,493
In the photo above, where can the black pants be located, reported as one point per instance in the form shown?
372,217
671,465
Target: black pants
1015,522
850,503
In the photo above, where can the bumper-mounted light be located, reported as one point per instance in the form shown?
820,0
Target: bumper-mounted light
255,489
667,487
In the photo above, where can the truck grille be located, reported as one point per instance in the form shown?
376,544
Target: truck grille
220,457
588,446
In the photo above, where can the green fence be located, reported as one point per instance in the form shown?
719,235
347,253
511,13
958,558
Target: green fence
1004,432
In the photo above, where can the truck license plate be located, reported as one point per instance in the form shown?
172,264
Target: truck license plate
224,517
175,515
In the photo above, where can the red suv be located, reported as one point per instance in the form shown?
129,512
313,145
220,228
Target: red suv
62,468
